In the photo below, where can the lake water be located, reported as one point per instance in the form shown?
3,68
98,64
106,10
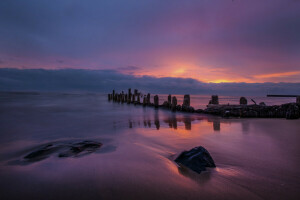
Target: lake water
255,158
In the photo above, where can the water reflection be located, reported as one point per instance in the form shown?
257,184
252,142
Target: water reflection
173,121
156,120
216,123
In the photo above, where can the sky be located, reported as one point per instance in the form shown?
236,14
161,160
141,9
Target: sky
210,41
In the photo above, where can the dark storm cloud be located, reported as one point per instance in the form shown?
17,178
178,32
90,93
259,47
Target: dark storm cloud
107,80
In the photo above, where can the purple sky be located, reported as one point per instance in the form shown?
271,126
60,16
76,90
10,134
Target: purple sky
208,40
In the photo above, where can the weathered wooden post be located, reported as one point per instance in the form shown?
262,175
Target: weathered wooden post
215,99
243,101
125,98
144,100
108,97
170,101
113,95
119,97
133,98
156,101
135,91
186,100
148,98
129,96
138,99
174,103
298,100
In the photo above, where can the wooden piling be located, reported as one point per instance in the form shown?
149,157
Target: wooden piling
186,100
156,100
144,100
148,98
174,104
215,99
243,101
138,99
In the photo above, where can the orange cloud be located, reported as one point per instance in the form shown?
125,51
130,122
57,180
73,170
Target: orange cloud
275,75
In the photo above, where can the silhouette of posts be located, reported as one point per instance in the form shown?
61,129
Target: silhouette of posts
243,101
169,101
156,101
144,100
174,103
186,100
148,98
214,100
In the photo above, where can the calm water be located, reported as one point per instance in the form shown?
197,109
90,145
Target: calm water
255,158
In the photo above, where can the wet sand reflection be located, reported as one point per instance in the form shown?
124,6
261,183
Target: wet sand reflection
172,120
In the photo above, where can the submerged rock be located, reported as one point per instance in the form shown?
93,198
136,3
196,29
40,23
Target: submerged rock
80,148
197,159
72,149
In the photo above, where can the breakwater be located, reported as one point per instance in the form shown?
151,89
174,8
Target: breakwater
242,110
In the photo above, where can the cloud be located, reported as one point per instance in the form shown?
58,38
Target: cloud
283,74
106,80
244,38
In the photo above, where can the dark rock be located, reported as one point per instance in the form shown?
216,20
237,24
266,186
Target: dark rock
197,159
298,100
72,149
80,148
226,114
292,112
178,107
243,101
42,153
187,108
199,111
262,104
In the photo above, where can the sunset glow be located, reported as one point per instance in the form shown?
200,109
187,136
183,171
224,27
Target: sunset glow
209,41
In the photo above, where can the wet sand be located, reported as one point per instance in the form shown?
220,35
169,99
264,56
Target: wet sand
255,158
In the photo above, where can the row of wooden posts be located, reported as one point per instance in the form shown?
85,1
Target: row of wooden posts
171,103
136,96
